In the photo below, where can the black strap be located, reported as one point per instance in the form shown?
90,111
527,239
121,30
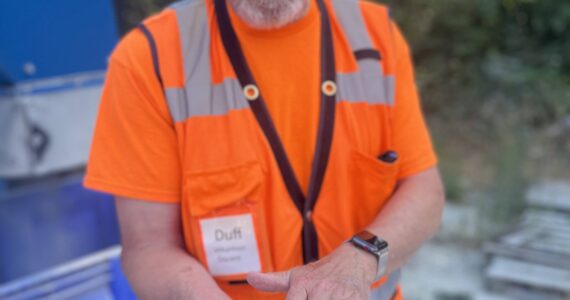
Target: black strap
235,54
259,109
367,53
327,113
153,52
324,137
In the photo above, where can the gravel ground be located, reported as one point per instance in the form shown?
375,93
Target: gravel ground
445,271
445,268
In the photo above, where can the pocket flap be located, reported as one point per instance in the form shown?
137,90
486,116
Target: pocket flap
212,190
373,166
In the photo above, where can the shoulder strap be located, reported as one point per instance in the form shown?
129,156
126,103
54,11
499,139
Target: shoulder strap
350,17
153,51
367,53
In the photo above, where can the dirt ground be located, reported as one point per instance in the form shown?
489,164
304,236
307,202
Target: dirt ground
450,266
480,176
446,271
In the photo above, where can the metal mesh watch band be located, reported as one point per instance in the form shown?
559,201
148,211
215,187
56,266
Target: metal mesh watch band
382,262
375,246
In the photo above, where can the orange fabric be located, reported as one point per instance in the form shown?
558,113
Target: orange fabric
164,28
411,138
134,131
398,295
213,163
286,64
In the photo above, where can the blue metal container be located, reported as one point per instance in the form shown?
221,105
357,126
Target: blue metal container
42,39
53,56
97,276
48,223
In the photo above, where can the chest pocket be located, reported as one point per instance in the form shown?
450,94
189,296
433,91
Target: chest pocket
373,181
210,191
229,231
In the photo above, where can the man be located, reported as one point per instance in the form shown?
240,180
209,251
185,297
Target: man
264,149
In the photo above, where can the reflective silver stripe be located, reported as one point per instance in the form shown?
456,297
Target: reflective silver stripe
390,84
371,86
195,41
205,100
387,290
350,17
198,95
366,85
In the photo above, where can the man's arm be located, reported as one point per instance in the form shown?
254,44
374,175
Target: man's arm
154,257
411,216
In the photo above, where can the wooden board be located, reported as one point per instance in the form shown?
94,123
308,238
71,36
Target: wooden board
533,260
523,292
541,230
529,274
550,194
528,254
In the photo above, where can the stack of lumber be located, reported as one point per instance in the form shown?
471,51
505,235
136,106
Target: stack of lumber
533,260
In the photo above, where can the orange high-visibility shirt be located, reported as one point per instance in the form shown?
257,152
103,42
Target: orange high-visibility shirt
214,160
134,151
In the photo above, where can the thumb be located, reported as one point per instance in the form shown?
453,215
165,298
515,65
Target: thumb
269,282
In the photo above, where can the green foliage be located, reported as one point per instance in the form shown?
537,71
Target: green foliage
500,69
510,178
132,12
480,59
452,178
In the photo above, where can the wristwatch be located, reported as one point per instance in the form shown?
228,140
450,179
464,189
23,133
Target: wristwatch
375,246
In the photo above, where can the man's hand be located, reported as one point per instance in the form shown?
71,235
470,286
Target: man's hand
410,217
347,273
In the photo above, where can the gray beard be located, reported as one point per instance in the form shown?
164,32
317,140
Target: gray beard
269,14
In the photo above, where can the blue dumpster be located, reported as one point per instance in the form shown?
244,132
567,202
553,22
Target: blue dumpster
45,39
53,56
94,277
50,222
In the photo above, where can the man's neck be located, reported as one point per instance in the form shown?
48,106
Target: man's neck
270,14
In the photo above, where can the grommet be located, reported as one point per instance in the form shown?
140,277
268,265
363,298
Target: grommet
329,88
251,92
309,216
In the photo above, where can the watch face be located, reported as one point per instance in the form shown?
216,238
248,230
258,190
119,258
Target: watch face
370,242
382,244
368,237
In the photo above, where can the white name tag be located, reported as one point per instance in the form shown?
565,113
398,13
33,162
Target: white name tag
230,245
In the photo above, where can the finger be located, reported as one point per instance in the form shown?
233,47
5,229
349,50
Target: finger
269,282
297,293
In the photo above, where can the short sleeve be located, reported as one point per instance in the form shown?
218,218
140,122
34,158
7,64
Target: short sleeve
411,137
134,152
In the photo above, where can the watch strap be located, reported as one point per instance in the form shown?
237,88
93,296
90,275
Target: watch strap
382,264
376,246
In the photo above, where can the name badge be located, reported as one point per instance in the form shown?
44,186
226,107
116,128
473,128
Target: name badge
230,245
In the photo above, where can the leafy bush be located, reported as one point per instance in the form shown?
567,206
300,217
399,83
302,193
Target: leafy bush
486,58
131,12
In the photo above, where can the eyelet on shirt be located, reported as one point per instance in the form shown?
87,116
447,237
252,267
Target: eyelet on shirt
251,92
329,88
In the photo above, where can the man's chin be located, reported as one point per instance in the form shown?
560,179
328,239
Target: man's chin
263,14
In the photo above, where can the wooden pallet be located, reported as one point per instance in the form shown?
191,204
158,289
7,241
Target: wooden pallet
550,194
536,281
533,260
